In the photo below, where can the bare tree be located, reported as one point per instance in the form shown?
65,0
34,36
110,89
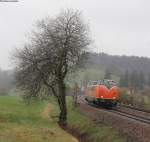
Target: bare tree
55,49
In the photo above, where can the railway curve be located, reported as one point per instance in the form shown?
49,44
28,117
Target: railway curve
135,128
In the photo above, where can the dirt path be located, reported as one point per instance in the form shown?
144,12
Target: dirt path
46,111
45,114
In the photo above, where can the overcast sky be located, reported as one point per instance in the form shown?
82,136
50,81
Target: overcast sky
118,27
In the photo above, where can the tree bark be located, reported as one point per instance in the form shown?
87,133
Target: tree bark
62,103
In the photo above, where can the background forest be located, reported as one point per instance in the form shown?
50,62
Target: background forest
126,70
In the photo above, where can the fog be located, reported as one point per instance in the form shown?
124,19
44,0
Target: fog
117,27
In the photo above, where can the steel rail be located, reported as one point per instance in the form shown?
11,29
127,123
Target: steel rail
132,116
124,114
134,108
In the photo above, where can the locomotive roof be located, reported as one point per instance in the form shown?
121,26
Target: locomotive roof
104,82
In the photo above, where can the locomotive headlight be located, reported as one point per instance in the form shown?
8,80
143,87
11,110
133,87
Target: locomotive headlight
114,97
102,97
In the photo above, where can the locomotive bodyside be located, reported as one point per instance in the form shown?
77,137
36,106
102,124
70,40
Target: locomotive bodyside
100,94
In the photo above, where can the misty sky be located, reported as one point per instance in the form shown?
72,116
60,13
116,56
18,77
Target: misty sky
117,26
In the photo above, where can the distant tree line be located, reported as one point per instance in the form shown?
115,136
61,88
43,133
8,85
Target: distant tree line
118,64
134,79
6,81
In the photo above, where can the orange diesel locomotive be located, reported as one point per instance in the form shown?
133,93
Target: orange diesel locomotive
102,92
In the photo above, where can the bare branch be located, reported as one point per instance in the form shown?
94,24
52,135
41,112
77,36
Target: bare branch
56,47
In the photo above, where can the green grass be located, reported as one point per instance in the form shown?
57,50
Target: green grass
95,133
147,102
26,123
22,123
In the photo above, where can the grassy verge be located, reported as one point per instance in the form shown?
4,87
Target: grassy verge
86,128
22,123
137,100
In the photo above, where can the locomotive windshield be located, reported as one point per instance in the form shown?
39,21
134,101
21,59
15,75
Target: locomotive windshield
91,83
107,83
110,83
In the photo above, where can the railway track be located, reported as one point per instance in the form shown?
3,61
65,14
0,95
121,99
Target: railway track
139,118
134,126
131,110
135,108
131,116
137,115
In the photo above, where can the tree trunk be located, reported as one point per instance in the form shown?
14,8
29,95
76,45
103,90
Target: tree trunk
62,103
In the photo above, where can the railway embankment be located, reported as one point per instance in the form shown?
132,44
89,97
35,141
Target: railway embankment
132,129
83,128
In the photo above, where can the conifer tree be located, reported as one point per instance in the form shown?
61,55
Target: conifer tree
126,79
121,81
141,80
107,74
134,79
148,81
